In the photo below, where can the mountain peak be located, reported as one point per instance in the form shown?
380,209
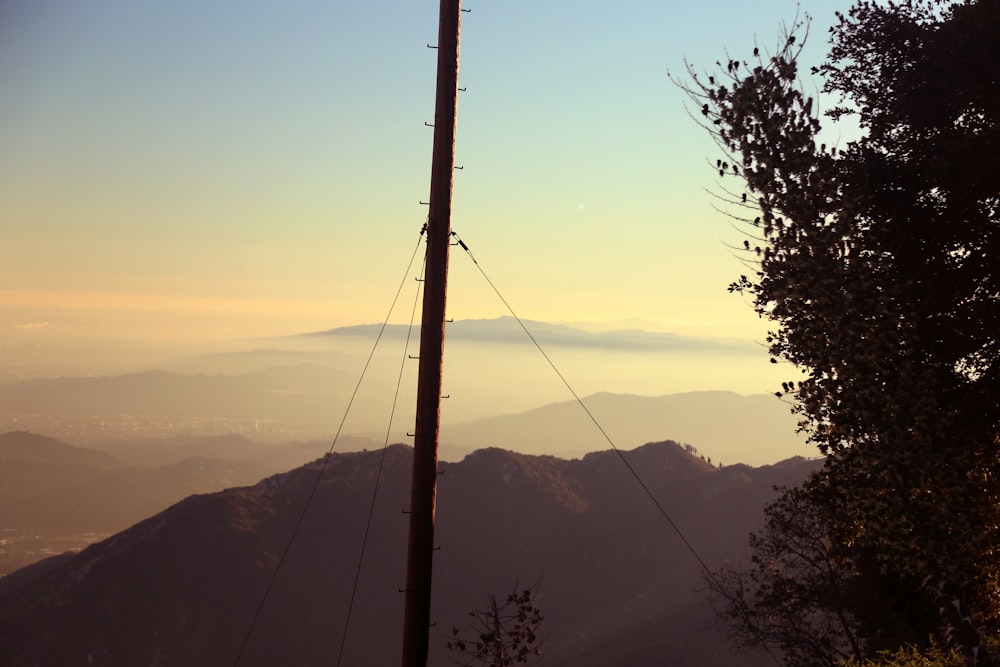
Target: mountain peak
32,447
502,517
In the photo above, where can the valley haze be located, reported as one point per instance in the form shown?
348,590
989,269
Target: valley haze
501,390
191,453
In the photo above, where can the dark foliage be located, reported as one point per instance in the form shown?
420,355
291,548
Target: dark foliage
879,263
814,597
502,634
794,596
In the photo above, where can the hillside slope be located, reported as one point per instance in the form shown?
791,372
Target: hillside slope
616,583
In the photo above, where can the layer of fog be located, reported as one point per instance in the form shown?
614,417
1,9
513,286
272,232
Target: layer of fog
492,368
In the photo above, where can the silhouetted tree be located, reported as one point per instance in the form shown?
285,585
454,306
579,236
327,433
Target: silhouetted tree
794,595
501,634
812,596
879,264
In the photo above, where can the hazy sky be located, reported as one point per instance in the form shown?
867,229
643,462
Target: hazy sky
223,168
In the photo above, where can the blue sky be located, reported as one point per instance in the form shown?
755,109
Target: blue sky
224,169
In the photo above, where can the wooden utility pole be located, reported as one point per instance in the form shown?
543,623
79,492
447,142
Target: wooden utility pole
423,496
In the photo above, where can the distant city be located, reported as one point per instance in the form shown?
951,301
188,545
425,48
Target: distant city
88,429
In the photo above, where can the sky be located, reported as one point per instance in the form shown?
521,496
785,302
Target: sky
227,169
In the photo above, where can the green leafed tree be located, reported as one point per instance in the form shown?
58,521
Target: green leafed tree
878,263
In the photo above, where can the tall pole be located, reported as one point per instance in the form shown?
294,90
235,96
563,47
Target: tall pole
423,496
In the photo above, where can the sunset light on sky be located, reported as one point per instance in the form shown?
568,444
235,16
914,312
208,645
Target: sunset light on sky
228,169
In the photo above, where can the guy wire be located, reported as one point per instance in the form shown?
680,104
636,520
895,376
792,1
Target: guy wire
324,462
690,547
378,475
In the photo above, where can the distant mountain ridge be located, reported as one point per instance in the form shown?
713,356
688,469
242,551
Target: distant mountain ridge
501,392
34,448
617,586
261,394
732,428
309,399
507,330
56,496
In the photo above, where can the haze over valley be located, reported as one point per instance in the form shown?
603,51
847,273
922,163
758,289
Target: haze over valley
501,392
86,456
